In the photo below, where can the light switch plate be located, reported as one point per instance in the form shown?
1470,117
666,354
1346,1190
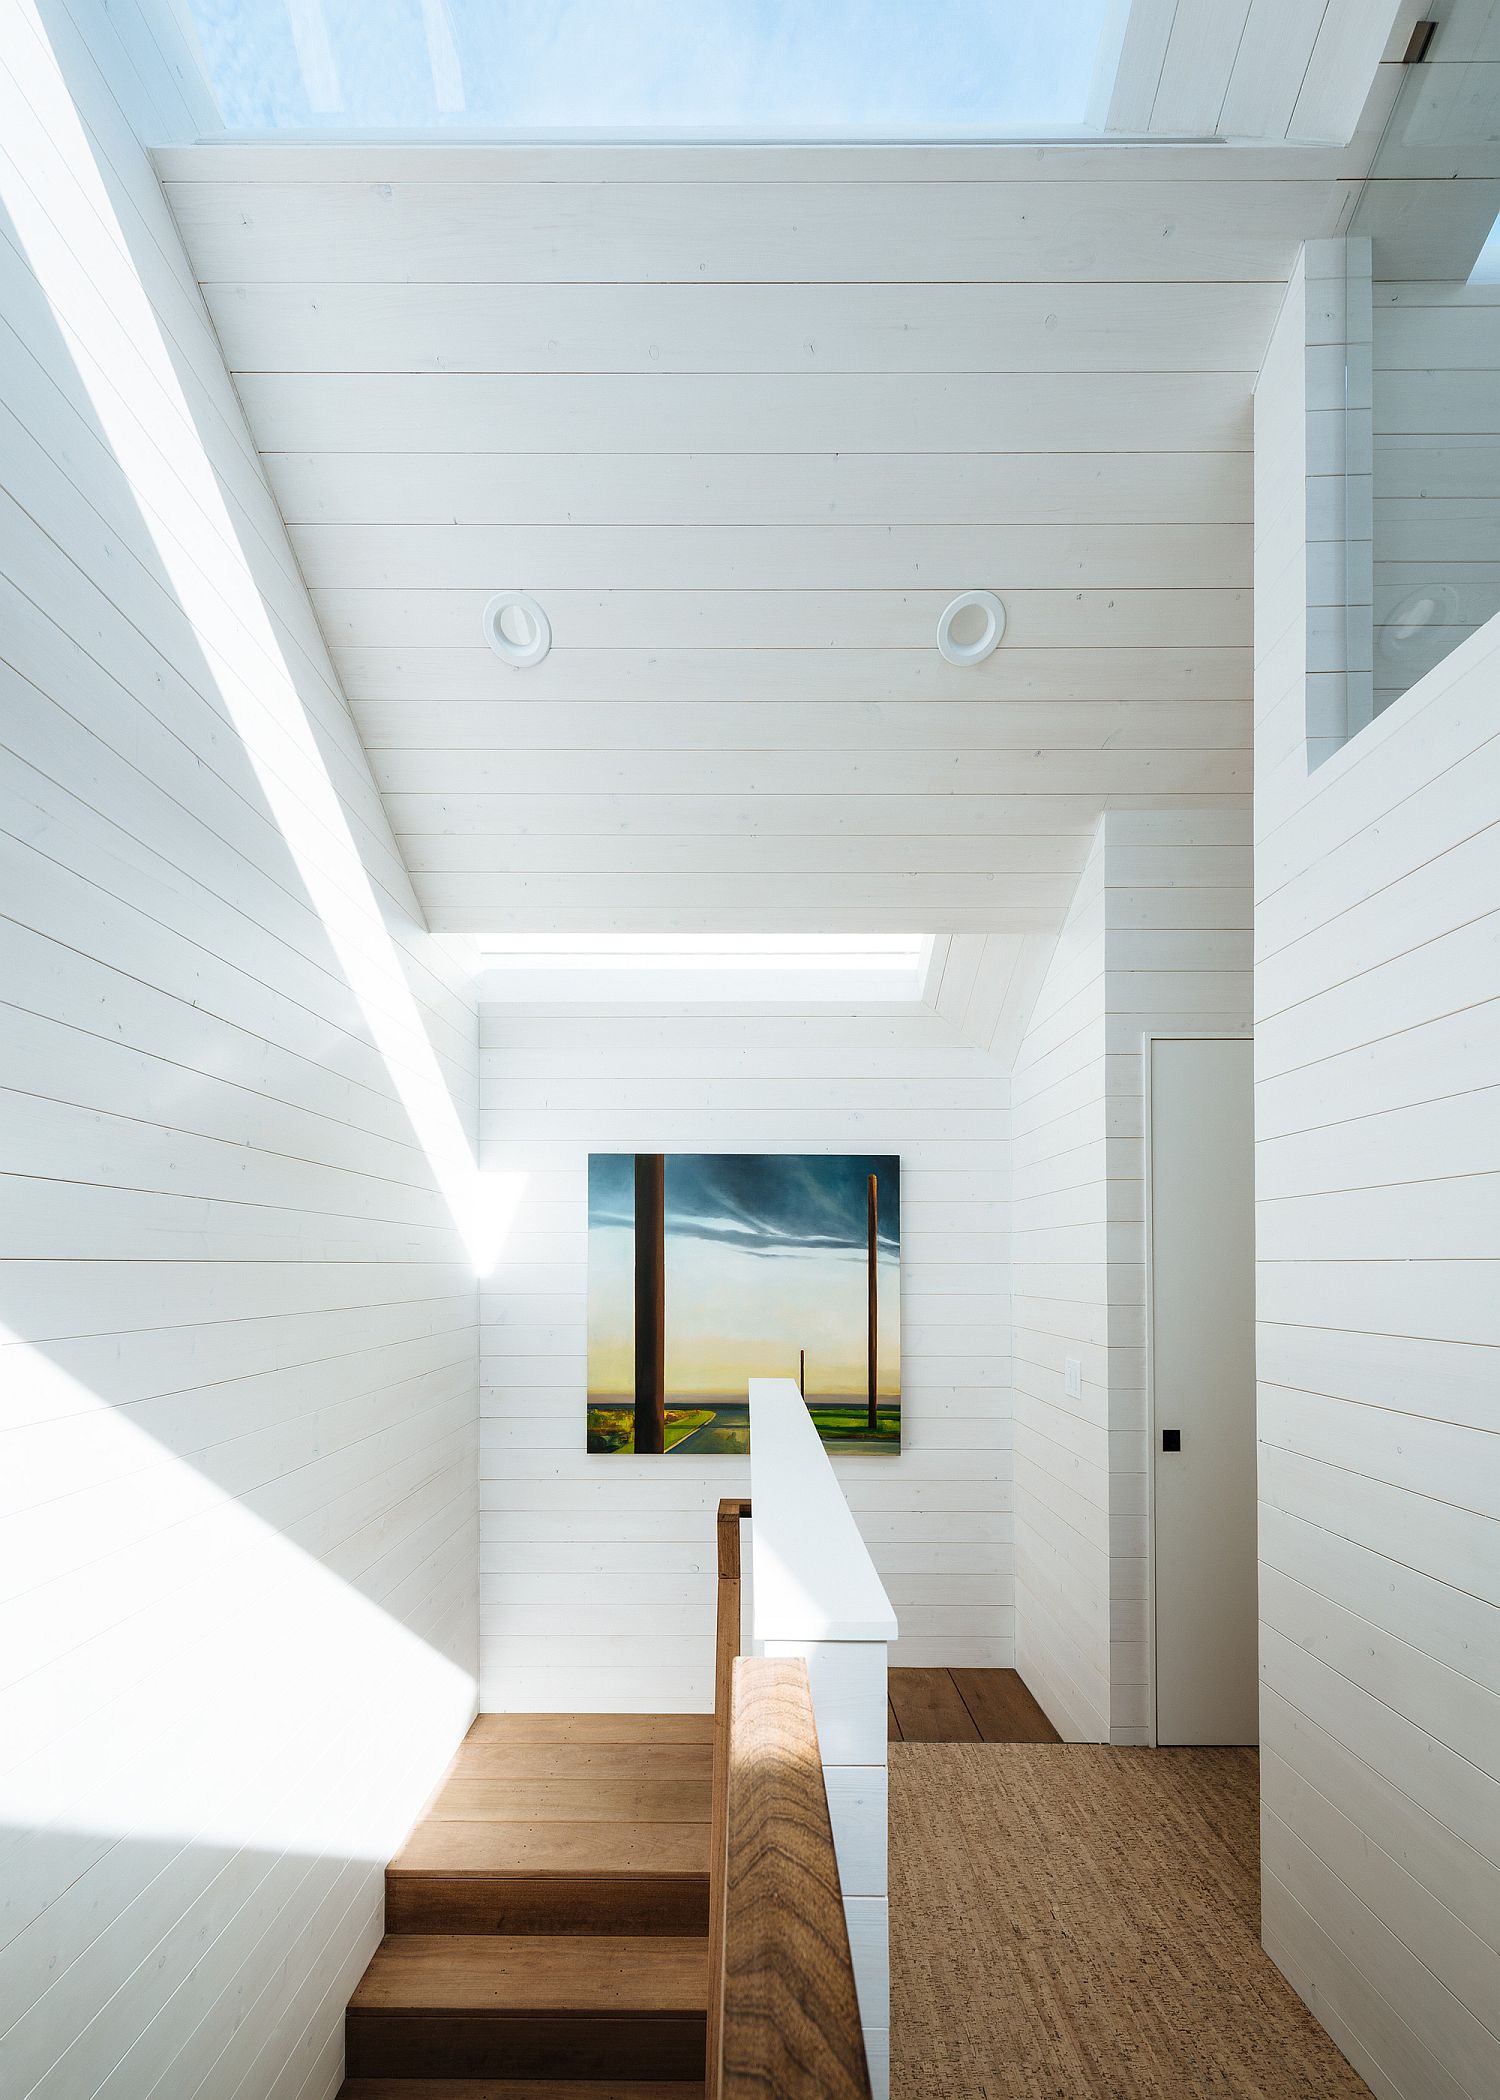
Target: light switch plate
1072,1378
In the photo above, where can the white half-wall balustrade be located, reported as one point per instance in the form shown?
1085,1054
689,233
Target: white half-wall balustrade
814,1592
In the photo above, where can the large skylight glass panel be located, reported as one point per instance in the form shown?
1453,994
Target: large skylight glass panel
695,968
622,68
704,951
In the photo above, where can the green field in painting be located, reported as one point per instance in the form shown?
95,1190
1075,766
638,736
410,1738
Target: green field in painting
613,1428
722,1427
844,1427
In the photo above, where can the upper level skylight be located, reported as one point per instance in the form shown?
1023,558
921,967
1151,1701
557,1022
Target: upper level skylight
774,69
704,951
690,968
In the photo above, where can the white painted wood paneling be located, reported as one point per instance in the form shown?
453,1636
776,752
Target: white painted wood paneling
813,1591
558,1084
773,488
1265,69
789,166
279,230
1378,1223
238,1320
1060,1466
746,419
1437,511
1157,938
150,54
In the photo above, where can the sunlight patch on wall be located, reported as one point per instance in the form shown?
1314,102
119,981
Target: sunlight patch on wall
213,584
169,1651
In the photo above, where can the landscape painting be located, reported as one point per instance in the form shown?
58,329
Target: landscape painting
709,1269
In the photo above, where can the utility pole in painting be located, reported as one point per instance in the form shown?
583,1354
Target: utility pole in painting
872,1219
802,1372
650,1302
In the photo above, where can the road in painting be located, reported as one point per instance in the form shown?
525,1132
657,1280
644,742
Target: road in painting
747,1265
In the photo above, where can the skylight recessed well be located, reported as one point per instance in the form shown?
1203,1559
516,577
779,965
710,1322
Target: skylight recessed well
703,968
597,68
702,951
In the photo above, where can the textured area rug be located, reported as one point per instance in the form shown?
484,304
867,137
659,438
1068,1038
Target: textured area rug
1071,1922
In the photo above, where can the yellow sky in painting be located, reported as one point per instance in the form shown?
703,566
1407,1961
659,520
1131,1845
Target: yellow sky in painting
732,1315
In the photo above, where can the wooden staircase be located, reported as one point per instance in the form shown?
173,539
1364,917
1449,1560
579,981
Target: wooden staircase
547,1920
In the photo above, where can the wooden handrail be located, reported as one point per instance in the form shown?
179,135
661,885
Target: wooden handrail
788,2026
726,1648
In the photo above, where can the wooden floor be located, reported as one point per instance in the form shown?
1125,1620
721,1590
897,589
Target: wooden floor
1067,1921
547,1920
964,1706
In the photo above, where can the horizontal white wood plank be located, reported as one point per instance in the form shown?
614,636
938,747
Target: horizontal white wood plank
507,232
775,487
622,327
793,412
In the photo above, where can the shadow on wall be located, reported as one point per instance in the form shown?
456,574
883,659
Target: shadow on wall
239,1354
242,1994
216,1736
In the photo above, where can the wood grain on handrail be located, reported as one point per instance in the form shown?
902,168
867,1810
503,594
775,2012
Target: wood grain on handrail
726,1647
790,2026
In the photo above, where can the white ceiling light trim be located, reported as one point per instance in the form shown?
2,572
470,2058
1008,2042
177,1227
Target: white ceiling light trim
988,640
530,631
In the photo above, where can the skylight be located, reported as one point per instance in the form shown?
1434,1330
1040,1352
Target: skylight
702,951
1486,269
782,69
694,968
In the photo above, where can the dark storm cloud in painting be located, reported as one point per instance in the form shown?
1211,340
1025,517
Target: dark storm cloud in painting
767,1205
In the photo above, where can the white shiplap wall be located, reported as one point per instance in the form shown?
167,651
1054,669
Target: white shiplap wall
596,1587
1437,469
1059,1281
239,1328
1158,941
1378,1197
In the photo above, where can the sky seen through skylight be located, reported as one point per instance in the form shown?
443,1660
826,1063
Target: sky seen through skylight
773,68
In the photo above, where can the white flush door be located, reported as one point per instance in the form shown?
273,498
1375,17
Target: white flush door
1202,1344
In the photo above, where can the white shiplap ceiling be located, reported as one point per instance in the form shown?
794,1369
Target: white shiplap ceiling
744,419
1251,69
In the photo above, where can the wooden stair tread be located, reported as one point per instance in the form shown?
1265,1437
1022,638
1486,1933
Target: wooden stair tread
520,2089
618,1905
547,1920
491,1757
603,1797
496,1847
633,1729
582,1976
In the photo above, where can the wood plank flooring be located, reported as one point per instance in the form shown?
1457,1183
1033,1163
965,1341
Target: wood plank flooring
547,1919
518,2089
964,1706
563,1823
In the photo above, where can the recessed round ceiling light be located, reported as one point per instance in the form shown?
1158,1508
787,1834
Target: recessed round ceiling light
517,629
1403,632
990,625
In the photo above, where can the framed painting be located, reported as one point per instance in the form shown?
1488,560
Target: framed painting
709,1269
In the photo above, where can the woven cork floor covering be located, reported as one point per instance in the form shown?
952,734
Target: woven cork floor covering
1072,1922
